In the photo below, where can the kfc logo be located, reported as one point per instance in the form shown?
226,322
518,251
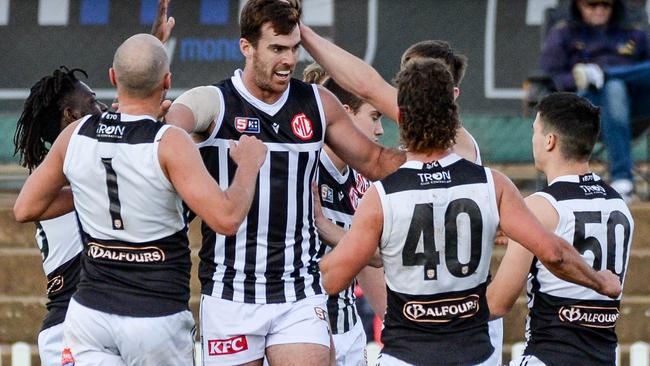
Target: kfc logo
302,127
219,347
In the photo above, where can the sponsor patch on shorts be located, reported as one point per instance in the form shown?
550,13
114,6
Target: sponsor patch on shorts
320,313
220,347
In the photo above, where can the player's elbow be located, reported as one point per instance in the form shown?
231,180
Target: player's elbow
230,227
330,283
497,308
553,256
225,225
22,212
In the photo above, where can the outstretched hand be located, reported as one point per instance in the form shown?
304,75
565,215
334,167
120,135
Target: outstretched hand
163,25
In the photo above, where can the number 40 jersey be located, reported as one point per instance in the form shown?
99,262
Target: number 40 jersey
440,219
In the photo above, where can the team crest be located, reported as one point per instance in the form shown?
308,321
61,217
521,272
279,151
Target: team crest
362,183
247,125
66,357
327,193
302,127
355,198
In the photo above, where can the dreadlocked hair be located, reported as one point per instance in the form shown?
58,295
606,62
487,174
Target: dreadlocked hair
39,124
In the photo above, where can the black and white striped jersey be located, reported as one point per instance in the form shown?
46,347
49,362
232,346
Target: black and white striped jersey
440,219
60,245
273,256
568,323
340,197
136,258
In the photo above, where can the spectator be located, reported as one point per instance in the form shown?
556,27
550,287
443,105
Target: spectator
605,58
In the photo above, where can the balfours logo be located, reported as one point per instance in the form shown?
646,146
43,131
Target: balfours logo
126,254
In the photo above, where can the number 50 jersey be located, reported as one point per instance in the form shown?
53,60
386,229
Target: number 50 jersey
440,219
568,323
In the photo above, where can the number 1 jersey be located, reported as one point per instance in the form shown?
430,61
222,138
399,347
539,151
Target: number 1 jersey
136,257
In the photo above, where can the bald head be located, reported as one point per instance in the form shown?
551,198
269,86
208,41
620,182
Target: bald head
140,65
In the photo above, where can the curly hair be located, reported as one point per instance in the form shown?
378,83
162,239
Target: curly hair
314,74
428,113
40,122
283,15
440,50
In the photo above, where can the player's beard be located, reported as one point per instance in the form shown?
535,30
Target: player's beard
264,76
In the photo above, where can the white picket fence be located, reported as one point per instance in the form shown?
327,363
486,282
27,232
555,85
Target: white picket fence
21,354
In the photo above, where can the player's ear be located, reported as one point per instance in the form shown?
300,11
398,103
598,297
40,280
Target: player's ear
167,81
347,108
245,47
550,142
456,92
111,76
69,115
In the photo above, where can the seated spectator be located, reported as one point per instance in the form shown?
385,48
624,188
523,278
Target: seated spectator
606,59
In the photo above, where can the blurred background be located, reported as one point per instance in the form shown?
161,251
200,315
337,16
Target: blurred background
501,38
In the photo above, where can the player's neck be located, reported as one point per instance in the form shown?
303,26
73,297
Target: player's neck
426,157
138,106
340,165
564,167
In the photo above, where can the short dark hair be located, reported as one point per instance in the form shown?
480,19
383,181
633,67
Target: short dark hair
440,50
343,95
428,112
284,17
575,120
40,121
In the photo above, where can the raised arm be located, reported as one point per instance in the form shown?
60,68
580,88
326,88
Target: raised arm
558,256
362,80
356,247
503,291
162,26
372,160
223,211
352,73
42,196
